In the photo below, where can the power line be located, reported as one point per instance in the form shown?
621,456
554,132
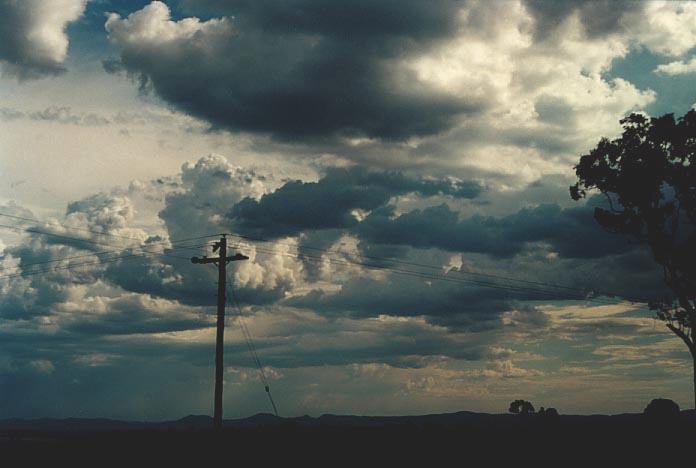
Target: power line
78,239
249,339
62,236
518,288
75,228
101,262
423,275
434,267
106,252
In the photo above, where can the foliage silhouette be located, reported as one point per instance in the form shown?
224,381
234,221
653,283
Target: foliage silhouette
548,413
662,409
648,177
521,407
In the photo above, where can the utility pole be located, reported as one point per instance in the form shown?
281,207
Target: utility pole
220,334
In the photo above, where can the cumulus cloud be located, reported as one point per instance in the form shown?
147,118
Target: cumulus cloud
481,74
436,138
564,229
310,316
597,17
336,200
665,27
678,67
33,41
546,241
206,192
318,81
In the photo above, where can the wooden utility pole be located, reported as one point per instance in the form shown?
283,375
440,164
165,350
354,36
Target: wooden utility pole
220,334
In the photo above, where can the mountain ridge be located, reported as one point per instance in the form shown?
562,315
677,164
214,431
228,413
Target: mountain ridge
260,420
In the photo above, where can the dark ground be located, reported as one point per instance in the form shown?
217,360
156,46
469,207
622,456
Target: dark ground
457,439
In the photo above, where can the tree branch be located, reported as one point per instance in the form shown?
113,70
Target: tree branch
685,338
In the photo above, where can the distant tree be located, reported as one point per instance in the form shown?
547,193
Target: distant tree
662,409
550,413
648,177
521,407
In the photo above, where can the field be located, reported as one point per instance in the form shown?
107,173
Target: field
432,440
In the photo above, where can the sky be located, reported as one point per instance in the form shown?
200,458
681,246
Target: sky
397,172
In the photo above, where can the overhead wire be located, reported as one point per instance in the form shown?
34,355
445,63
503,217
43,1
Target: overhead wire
580,295
108,252
171,242
433,267
528,287
96,263
251,347
90,241
543,289
77,228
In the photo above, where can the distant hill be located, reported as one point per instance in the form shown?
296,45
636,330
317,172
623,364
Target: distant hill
265,420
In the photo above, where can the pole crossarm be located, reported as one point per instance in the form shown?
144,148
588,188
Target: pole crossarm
233,258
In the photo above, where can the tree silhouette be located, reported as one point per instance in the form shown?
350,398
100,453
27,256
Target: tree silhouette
662,409
521,407
648,176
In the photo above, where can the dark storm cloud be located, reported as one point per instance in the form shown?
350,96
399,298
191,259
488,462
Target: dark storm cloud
571,232
167,277
328,204
302,69
32,40
15,48
598,17
464,300
351,21
459,305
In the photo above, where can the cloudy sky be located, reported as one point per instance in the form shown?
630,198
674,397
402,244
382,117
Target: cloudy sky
400,172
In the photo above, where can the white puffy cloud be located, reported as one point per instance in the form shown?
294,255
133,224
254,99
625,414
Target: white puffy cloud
152,27
207,191
552,99
678,67
665,27
275,267
33,41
